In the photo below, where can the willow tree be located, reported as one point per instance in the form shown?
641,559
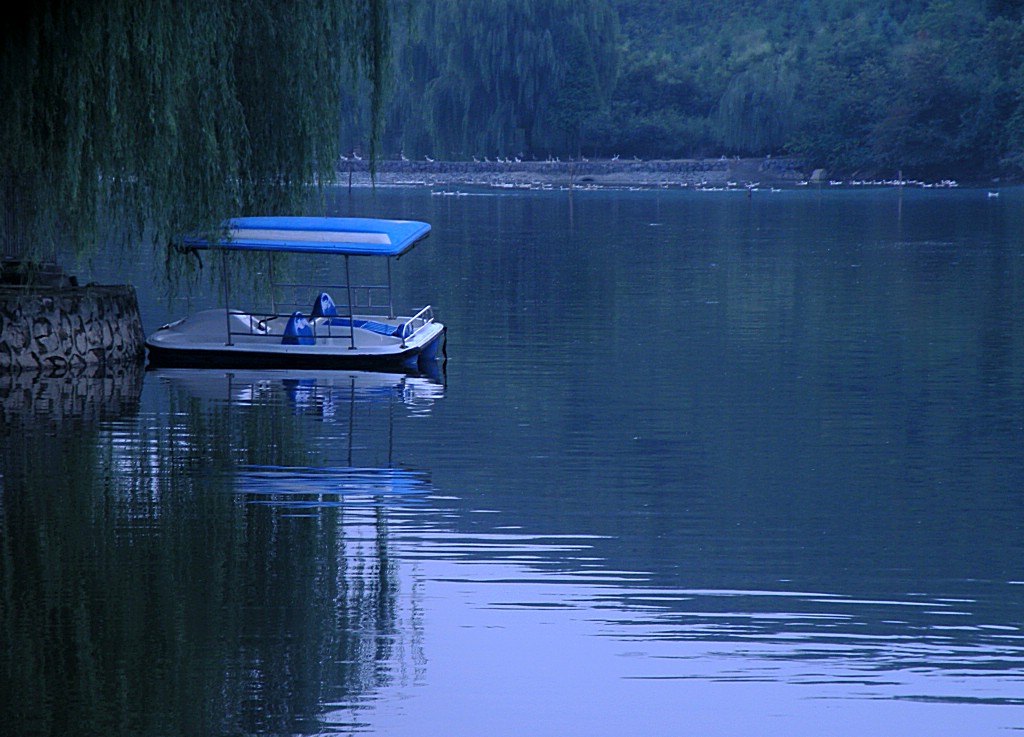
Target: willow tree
755,112
129,116
484,77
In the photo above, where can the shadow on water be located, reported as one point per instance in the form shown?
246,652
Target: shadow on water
188,568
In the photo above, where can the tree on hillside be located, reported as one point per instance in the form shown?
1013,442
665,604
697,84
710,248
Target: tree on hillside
579,98
485,76
167,115
929,86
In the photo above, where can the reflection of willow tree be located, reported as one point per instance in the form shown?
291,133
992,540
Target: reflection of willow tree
139,594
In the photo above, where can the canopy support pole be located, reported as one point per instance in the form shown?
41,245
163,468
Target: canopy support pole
227,293
351,308
273,285
391,302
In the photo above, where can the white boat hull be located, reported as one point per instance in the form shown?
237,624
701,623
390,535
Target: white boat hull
202,340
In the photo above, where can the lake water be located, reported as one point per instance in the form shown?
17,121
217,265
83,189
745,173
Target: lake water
697,464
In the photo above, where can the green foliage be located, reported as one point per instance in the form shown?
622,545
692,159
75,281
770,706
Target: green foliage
927,86
501,77
579,99
168,115
754,112
124,117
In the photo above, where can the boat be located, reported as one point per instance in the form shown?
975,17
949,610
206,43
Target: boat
308,326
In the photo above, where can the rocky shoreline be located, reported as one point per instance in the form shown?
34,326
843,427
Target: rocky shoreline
719,172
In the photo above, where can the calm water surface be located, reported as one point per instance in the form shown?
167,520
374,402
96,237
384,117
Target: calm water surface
697,464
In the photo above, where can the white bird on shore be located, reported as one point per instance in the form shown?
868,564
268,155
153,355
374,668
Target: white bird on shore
429,160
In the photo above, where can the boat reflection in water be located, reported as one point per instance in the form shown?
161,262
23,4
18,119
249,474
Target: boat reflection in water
353,463
329,619
306,391
231,547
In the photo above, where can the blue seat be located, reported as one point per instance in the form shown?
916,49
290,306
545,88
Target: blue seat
298,331
324,306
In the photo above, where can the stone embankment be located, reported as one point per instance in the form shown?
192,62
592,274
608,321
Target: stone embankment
554,173
58,329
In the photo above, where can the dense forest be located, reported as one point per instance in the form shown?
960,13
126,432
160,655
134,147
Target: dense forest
932,87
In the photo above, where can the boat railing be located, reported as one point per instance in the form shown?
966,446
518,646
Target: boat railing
259,324
417,322
289,298
301,296
405,330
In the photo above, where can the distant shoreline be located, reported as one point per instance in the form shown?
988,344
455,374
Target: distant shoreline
600,173
596,172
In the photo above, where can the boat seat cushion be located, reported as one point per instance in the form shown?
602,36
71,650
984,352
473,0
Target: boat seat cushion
298,331
381,328
324,306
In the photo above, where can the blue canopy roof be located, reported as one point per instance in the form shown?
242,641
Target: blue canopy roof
342,236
